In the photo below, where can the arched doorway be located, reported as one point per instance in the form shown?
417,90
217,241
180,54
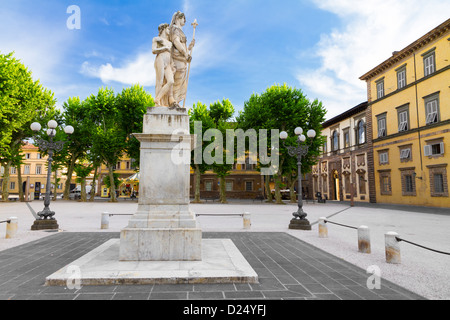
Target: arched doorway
336,190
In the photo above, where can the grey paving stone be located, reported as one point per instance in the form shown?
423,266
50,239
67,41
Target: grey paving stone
288,268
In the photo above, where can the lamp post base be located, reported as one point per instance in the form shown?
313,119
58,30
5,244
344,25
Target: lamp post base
300,224
49,224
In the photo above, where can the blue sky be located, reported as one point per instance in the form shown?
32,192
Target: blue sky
242,46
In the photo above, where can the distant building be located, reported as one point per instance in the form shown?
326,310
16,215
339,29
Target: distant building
345,158
33,171
409,104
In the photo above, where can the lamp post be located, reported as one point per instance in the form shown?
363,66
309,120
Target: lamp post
45,218
299,221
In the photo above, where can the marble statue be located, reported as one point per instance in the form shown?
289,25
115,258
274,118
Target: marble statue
172,60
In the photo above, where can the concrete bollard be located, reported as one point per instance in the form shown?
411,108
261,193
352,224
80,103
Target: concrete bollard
392,247
247,220
105,220
364,239
323,229
11,227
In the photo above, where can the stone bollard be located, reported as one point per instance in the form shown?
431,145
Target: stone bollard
323,229
364,239
11,227
392,247
247,221
105,220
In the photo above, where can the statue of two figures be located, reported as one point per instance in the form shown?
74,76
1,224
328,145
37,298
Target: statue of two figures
173,58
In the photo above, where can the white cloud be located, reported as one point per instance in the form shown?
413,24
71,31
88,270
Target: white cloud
138,70
371,30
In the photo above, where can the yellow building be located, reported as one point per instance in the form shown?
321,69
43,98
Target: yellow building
33,171
409,99
125,169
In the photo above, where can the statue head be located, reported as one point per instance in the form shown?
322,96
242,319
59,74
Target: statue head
162,27
177,15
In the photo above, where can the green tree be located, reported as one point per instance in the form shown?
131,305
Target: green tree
221,112
108,137
285,108
83,169
199,115
76,114
132,104
22,101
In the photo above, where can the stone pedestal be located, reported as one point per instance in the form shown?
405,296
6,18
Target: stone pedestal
300,224
163,228
49,224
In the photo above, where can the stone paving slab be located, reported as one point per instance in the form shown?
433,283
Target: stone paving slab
287,269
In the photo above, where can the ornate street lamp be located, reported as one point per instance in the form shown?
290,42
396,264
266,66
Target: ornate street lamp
299,221
45,220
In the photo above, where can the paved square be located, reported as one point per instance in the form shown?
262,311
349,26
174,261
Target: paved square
287,268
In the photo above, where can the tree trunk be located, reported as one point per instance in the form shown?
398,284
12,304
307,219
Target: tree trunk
55,194
197,184
69,178
278,199
223,195
268,191
83,190
5,183
92,193
112,187
292,190
20,184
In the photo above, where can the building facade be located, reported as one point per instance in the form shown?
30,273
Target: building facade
343,170
33,172
409,101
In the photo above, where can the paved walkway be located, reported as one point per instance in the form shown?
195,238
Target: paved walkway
288,268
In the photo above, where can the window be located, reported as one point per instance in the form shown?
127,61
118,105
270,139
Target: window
229,186
2,170
12,185
381,125
432,108
208,185
39,156
28,156
429,63
346,138
38,169
385,183
361,132
403,123
335,141
434,149
325,147
438,183
26,169
438,180
380,88
409,184
383,157
405,154
13,170
401,78
248,185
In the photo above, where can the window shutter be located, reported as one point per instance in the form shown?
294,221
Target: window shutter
442,147
427,151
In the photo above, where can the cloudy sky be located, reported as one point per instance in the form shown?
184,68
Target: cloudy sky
242,46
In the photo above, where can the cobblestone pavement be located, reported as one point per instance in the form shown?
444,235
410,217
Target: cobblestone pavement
287,267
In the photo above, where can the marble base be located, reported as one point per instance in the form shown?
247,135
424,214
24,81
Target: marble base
222,263
165,244
49,224
298,224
